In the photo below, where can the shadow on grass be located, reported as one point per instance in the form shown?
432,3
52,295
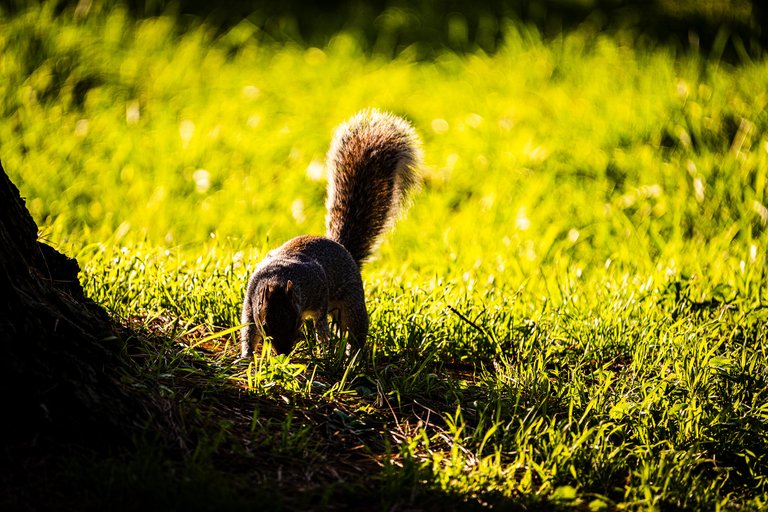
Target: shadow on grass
198,440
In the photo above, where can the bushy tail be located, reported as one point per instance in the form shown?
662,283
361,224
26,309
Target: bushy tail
371,166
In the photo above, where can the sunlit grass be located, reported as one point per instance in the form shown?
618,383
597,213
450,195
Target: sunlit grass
572,311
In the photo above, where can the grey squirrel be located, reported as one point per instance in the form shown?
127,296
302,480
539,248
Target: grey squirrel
371,164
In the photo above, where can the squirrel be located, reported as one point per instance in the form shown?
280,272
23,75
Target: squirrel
372,165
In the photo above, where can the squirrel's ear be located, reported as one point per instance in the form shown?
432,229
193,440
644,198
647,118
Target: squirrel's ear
292,297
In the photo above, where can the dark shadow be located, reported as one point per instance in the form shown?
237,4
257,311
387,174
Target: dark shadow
729,29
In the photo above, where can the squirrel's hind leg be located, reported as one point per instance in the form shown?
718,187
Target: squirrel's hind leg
249,336
250,333
353,321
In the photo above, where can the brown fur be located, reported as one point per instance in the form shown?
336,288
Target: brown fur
372,165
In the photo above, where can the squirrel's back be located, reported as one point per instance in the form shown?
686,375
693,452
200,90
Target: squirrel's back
371,165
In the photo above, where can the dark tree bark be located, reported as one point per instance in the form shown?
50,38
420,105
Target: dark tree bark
60,351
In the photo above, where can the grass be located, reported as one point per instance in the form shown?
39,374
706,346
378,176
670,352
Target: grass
572,314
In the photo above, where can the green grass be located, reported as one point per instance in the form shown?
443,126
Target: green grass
573,312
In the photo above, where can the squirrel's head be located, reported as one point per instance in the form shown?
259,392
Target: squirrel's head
281,319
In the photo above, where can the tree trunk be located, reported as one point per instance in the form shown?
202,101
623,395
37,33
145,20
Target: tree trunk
60,350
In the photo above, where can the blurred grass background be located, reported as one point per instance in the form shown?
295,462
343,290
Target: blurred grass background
389,26
604,140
